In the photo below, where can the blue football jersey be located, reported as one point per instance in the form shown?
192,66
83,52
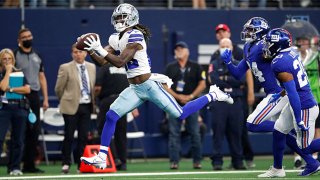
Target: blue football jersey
287,61
261,68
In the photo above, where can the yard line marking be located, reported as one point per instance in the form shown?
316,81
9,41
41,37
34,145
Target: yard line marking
135,174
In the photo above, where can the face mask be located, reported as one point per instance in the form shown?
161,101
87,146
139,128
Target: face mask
222,50
27,43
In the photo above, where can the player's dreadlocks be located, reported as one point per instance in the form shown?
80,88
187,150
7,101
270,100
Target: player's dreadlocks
145,31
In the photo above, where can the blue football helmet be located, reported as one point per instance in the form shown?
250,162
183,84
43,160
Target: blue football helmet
124,16
276,40
255,29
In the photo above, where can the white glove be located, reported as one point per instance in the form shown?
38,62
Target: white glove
302,127
95,44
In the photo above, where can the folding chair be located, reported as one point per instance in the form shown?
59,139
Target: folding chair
52,130
135,134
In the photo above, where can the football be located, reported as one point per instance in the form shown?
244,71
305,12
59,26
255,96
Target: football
80,41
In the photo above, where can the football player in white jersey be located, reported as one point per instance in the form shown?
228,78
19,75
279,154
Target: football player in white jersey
130,43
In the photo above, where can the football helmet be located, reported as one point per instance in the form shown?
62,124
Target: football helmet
275,41
254,29
124,16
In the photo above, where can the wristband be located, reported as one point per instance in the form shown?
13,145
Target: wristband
102,52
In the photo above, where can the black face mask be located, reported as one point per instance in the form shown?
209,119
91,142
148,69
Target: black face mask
27,43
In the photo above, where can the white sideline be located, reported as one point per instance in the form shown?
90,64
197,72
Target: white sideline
137,174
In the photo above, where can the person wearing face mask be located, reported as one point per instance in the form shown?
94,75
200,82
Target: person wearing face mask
13,109
225,122
223,31
31,64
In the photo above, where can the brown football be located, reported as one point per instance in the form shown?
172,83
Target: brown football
80,43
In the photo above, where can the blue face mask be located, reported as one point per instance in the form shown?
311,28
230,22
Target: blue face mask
222,50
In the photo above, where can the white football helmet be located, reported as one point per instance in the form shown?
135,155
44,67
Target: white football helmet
124,16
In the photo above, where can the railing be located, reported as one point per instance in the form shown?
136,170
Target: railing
165,4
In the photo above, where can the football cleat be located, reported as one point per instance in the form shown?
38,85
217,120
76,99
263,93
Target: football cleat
310,169
273,172
95,161
220,95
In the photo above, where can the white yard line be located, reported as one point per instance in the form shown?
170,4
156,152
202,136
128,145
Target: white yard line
96,175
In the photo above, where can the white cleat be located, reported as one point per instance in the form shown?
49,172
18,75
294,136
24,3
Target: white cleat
95,161
220,95
273,172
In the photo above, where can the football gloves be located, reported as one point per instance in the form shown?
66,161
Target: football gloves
274,97
226,56
95,44
302,127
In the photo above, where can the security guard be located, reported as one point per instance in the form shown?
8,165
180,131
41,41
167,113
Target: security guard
227,119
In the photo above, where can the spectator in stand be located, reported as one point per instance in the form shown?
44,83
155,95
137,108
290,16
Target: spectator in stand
199,4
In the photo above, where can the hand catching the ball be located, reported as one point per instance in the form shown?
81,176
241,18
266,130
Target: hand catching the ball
91,42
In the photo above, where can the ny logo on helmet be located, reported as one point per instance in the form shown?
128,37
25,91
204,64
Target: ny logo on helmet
275,38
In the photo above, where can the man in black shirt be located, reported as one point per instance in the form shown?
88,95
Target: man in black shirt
225,122
32,66
111,81
188,83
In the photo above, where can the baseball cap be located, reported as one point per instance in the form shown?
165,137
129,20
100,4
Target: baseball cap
181,44
223,26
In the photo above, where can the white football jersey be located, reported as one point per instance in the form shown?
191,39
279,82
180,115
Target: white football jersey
140,64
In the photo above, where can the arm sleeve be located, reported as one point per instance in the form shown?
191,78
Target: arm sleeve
294,99
238,71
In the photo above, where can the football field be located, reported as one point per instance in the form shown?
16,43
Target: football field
159,169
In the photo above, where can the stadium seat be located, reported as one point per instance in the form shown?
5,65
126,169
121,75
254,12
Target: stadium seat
135,134
52,131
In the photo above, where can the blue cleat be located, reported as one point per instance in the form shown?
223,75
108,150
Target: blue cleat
310,169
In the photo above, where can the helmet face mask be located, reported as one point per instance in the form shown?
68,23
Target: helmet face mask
124,16
276,40
266,50
255,29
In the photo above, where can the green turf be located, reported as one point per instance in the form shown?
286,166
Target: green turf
162,165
